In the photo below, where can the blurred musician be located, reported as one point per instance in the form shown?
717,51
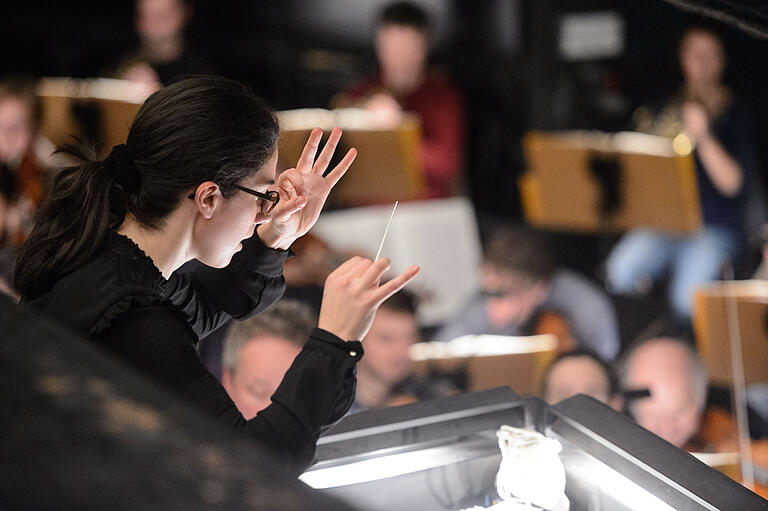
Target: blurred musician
403,83
704,111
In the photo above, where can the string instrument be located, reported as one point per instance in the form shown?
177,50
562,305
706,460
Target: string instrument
719,434
550,321
744,308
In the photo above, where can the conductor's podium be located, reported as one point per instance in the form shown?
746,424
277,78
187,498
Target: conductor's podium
594,182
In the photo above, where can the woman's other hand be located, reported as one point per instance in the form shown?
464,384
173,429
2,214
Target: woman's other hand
303,191
353,293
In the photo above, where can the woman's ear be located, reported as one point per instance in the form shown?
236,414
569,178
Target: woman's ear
207,198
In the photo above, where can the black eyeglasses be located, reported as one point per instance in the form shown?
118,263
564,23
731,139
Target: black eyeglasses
270,199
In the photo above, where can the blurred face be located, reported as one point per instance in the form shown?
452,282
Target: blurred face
577,375
510,299
402,53
261,366
673,410
387,344
234,220
702,59
16,128
158,20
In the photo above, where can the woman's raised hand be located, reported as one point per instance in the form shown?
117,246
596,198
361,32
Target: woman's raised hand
353,293
303,191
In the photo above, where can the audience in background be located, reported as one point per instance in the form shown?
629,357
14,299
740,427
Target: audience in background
384,374
705,111
580,372
676,378
163,52
404,84
520,283
258,352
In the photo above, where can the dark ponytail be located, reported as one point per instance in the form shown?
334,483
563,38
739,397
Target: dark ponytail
200,129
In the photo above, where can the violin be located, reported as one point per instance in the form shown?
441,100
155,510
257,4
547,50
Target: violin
547,321
719,433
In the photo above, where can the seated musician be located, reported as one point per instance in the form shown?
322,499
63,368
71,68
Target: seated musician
25,160
403,84
258,352
521,287
705,111
580,372
384,376
674,375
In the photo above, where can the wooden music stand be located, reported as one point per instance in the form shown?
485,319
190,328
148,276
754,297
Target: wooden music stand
117,103
655,187
711,321
116,119
388,165
490,360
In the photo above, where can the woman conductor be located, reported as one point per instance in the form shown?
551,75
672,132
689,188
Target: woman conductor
196,179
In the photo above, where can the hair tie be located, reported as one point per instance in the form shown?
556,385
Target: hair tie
123,170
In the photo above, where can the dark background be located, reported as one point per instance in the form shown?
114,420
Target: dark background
501,53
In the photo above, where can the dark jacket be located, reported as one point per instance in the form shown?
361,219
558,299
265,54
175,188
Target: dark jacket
120,300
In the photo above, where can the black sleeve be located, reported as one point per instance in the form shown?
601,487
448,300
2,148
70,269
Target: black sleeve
251,282
317,390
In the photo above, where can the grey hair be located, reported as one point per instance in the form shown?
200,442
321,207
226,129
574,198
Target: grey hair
700,375
290,320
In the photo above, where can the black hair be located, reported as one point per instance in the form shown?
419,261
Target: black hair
199,129
520,250
404,13
403,301
613,383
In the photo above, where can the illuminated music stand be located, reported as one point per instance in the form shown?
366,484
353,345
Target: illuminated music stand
490,360
596,183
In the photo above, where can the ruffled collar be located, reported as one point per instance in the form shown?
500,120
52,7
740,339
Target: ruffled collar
142,265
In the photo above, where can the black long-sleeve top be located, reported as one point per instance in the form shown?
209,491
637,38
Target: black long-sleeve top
121,300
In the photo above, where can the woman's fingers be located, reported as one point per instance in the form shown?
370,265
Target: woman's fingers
327,153
307,157
396,284
359,268
292,182
373,273
289,207
347,265
333,176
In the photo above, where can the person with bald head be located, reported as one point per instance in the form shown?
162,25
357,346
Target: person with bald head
676,378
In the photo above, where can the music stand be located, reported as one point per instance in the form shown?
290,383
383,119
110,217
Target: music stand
711,322
489,360
388,165
114,103
596,183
